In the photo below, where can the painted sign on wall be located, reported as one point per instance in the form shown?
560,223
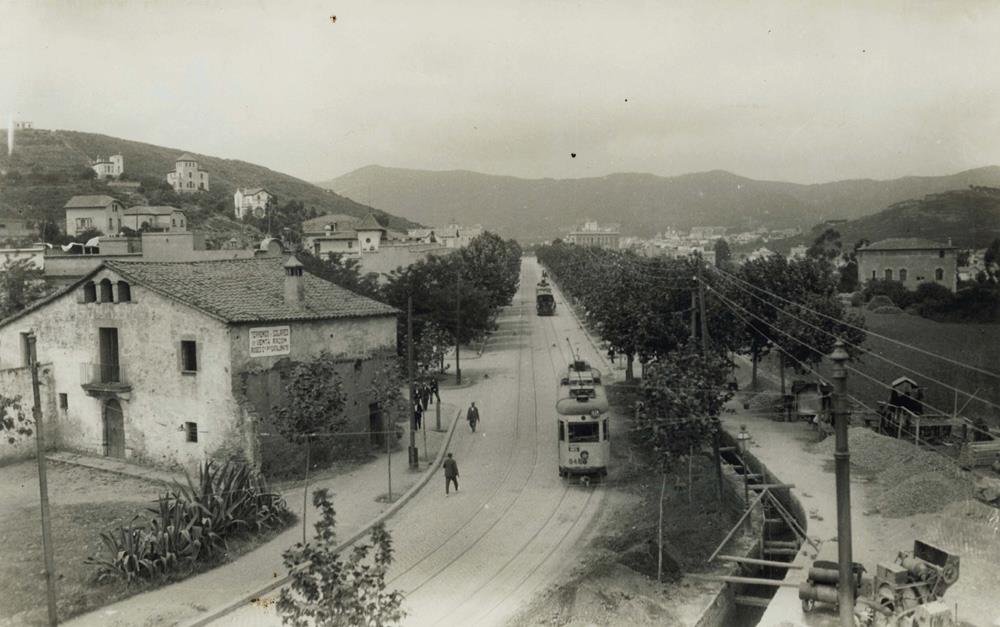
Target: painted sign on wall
267,341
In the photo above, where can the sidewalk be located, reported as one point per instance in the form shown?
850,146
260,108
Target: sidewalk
354,496
117,466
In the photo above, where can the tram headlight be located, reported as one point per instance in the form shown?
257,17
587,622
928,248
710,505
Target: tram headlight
595,413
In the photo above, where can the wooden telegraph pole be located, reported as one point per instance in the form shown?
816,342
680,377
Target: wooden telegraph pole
414,462
717,436
43,485
458,326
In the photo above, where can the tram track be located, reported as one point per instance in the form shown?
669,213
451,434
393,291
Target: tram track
557,514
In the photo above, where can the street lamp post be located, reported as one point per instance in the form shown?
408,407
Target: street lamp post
741,440
842,457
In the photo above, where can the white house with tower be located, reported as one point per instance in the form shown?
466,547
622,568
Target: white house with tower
113,166
187,176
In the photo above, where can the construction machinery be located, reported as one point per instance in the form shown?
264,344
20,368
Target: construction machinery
905,592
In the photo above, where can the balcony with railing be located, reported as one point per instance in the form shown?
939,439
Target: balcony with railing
104,379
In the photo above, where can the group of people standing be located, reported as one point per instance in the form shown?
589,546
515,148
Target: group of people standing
425,392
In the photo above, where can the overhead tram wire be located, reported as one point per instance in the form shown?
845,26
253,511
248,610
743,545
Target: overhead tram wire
873,353
731,305
868,331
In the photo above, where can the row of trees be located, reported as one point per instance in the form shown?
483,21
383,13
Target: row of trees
645,307
456,297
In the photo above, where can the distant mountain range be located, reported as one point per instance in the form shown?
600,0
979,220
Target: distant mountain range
969,218
534,209
50,163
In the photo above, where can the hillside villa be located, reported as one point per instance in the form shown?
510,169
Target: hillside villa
253,200
187,175
170,364
909,260
113,166
157,218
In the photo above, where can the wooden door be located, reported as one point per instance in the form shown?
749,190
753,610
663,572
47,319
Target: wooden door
108,337
114,429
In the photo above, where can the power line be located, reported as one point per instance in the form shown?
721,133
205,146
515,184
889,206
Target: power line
731,304
871,352
868,331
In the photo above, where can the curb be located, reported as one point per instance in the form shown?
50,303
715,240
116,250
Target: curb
246,599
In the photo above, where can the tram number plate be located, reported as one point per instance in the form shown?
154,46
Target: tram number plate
574,449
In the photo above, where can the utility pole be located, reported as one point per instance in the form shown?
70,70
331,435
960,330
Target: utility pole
701,311
458,326
412,451
717,434
43,485
694,314
842,458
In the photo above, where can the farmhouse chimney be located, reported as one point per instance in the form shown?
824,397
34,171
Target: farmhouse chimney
294,285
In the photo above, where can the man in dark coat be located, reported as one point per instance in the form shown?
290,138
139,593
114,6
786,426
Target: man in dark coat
418,415
425,395
434,390
473,416
450,474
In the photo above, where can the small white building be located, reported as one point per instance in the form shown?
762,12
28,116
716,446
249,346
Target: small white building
100,212
187,176
253,200
113,166
797,252
343,235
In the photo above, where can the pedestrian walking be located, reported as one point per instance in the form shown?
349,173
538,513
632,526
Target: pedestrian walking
418,415
434,390
450,474
425,395
473,416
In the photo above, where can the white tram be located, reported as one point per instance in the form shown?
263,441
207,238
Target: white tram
584,438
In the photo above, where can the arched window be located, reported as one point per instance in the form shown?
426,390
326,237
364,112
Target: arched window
939,274
89,292
902,275
106,294
124,292
888,274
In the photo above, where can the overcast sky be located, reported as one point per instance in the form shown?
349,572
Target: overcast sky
789,91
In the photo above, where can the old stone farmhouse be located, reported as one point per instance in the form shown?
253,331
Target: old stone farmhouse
171,363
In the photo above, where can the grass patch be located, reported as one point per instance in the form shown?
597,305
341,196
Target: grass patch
76,535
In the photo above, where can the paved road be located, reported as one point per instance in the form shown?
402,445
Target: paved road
475,557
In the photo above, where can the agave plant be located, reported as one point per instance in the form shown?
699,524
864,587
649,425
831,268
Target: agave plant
191,523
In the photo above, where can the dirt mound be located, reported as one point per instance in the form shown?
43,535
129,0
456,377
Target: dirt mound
909,480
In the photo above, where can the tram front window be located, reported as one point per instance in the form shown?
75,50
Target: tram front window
583,432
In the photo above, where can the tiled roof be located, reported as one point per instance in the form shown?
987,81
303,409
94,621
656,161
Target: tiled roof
369,223
348,234
250,191
319,223
247,290
151,210
907,243
185,157
88,202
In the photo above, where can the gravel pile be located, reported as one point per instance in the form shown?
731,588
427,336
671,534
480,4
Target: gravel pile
908,480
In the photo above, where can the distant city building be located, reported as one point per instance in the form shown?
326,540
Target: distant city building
187,176
112,166
761,253
708,232
797,252
253,200
597,235
909,260
157,218
100,212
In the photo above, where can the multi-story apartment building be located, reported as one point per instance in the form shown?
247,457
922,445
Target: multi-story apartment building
187,176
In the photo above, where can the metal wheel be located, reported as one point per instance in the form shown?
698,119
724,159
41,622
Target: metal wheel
808,605
585,481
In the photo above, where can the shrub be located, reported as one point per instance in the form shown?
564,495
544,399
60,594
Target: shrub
894,290
191,524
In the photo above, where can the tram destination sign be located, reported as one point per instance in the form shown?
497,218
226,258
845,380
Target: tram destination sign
267,341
